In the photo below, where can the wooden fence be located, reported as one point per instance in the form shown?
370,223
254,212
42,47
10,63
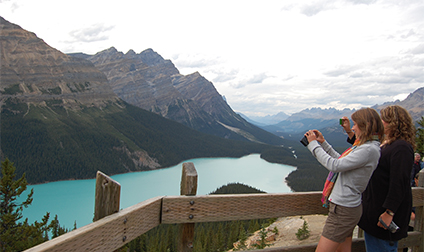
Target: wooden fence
113,229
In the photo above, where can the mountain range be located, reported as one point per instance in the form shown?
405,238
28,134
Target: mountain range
148,81
322,118
63,118
265,120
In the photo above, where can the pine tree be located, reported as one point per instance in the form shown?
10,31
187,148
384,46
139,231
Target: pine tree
253,226
262,242
10,210
15,234
56,228
220,238
242,240
303,232
233,233
420,137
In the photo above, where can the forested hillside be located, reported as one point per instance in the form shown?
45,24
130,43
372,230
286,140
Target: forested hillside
51,142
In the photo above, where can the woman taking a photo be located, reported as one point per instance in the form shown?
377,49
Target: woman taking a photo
349,175
388,196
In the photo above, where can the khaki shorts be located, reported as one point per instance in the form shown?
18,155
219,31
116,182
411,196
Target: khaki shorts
340,222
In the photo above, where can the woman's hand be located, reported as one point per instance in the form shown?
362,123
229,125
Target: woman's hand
346,124
387,218
319,135
312,135
346,127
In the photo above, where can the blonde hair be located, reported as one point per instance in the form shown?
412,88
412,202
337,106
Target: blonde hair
399,124
369,124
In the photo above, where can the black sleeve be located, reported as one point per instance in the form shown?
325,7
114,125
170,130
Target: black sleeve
351,140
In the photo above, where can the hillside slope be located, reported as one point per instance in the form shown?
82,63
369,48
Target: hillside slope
53,143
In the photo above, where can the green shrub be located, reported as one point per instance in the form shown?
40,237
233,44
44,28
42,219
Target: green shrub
303,232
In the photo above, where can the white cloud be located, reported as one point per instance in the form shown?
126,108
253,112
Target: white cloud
418,49
96,32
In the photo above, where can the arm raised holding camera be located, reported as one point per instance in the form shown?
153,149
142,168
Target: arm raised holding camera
345,123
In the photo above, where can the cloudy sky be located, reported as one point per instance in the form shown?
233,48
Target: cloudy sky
263,56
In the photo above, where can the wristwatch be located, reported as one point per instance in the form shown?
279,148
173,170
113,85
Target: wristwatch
390,212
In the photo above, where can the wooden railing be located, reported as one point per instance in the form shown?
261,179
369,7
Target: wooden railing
114,228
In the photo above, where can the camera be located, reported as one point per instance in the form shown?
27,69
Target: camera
392,227
304,141
341,121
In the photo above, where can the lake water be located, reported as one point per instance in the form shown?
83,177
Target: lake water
74,200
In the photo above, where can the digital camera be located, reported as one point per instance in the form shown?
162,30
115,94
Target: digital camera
392,227
304,141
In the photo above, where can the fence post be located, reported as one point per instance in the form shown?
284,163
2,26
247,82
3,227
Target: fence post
188,188
108,193
419,216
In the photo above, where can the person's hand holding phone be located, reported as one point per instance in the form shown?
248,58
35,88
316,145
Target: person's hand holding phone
345,123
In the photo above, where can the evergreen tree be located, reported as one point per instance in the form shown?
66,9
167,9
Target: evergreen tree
220,238
16,235
253,226
242,240
11,211
262,243
303,232
420,137
233,233
56,228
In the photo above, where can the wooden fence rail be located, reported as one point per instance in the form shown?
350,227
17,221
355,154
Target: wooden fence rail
114,231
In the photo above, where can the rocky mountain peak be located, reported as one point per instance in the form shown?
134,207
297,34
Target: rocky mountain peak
319,113
151,57
107,55
131,53
31,69
4,24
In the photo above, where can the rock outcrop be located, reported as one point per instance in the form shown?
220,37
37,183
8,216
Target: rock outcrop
33,71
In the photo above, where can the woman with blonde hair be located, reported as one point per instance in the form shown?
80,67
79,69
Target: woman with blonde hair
348,177
388,195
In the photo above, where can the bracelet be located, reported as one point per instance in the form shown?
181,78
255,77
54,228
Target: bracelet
390,213
348,132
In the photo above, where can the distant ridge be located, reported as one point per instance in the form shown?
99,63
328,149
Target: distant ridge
414,103
322,118
266,120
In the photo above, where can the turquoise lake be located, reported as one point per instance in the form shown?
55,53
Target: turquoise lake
73,200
